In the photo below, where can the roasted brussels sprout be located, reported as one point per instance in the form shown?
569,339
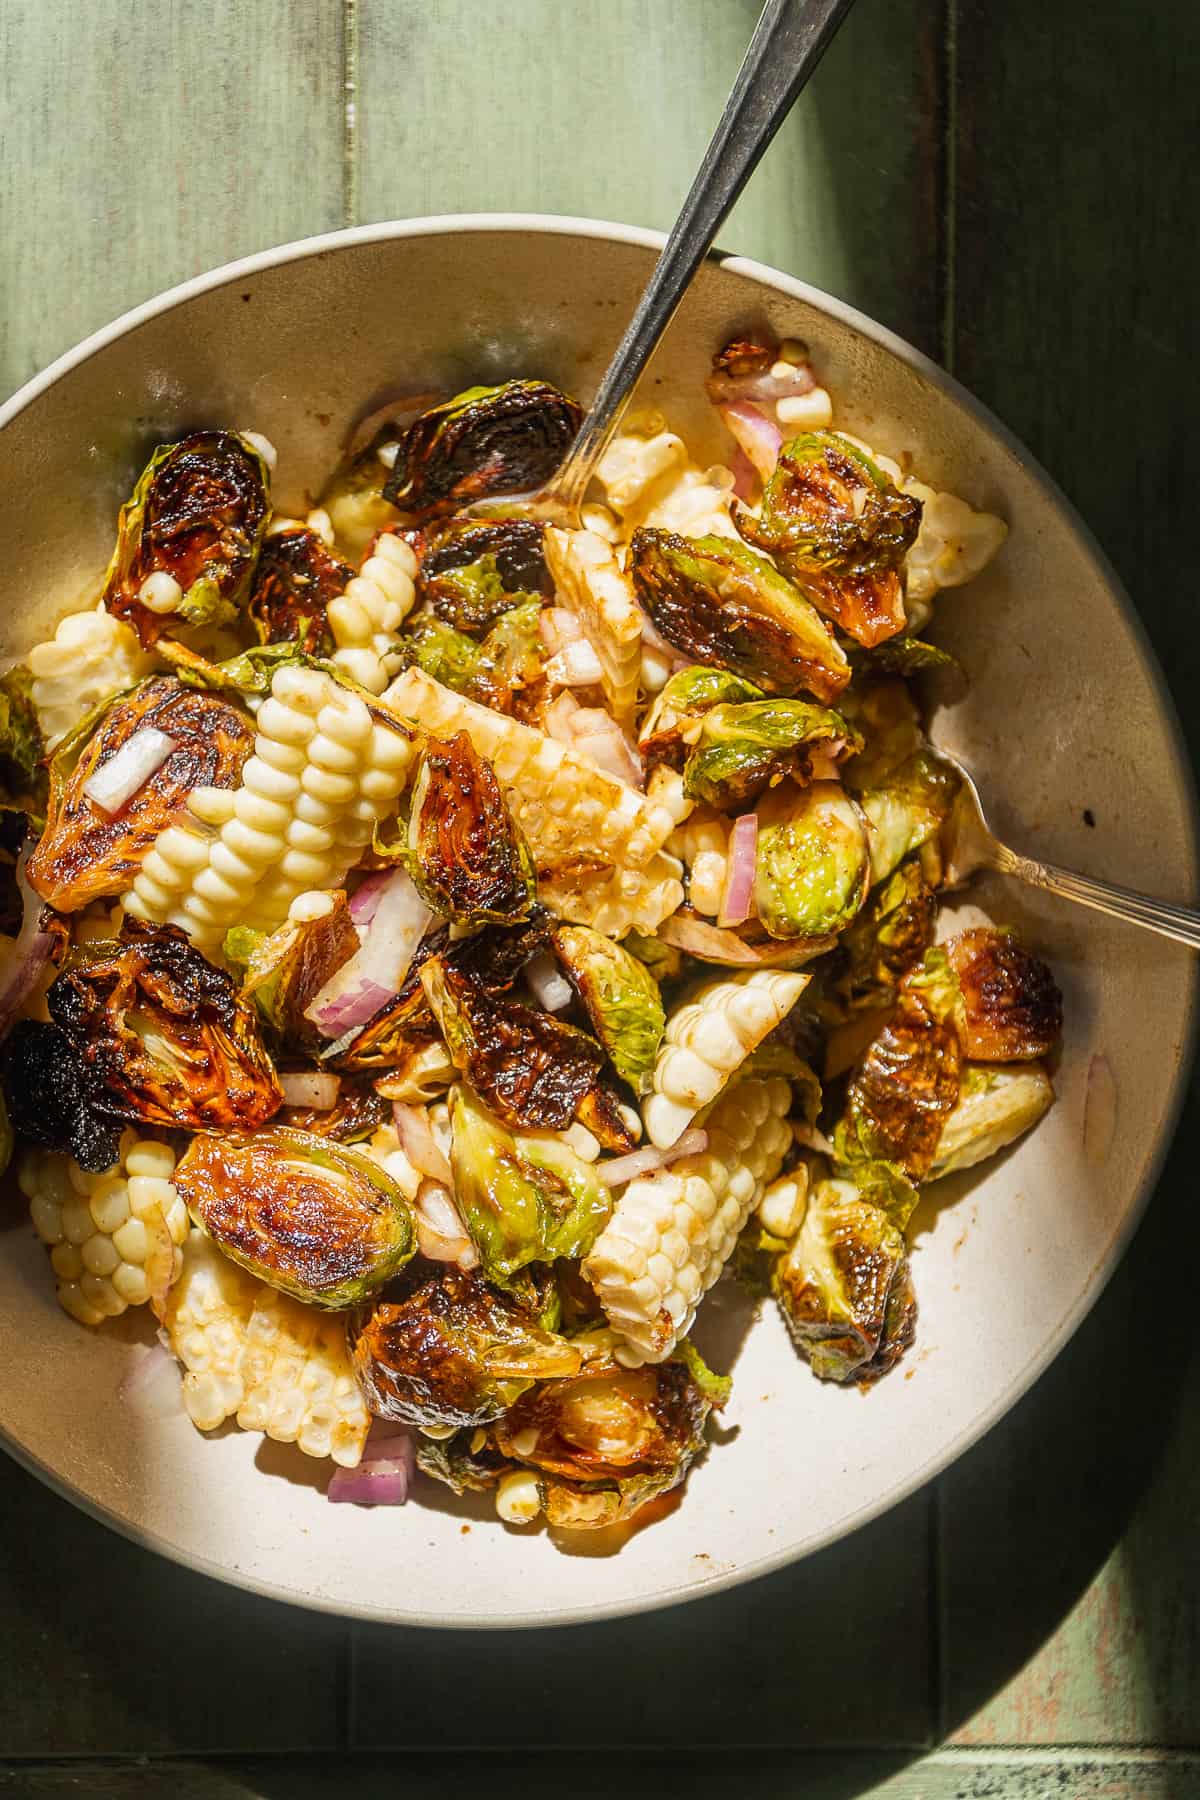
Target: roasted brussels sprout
663,960
905,656
996,1106
354,1117
672,724
813,861
889,727
607,1441
745,748
466,855
890,936
491,672
84,853
197,514
162,1034
533,1070
524,1199
621,997
453,1351
462,1462
720,603
845,1288
486,440
22,774
283,972
296,578
908,811
1011,1008
317,1219
840,529
52,1099
476,569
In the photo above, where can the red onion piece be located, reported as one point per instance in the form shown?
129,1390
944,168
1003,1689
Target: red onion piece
419,1144
114,783
745,476
737,901
622,1169
376,971
25,957
346,1012
550,986
314,1091
364,901
557,718
758,436
153,1387
441,1233
382,1483
763,385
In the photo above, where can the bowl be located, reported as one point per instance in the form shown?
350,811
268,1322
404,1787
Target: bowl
1066,719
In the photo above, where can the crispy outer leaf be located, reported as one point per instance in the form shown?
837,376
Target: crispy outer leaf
475,569
296,578
845,1288
285,970
741,749
621,997
487,440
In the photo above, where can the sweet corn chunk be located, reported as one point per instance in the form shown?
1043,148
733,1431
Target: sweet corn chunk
592,585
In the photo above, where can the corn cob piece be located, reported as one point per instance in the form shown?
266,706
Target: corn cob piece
672,1232
592,585
323,773
702,843
113,1238
90,656
625,900
708,1039
259,1356
365,619
568,809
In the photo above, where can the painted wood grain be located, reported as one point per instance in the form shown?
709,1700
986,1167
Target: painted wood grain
109,1649
145,143
603,108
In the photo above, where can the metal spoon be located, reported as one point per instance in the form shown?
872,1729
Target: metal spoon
789,41
971,845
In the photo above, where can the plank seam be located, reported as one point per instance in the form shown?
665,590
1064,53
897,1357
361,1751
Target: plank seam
350,119
949,321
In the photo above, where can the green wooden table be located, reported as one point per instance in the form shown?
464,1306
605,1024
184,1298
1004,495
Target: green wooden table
1011,184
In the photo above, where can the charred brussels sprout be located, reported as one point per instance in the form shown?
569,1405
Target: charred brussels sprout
673,722
467,857
84,853
524,1199
296,578
607,1441
197,514
317,1219
22,775
663,960
534,1071
845,1288
162,1034
621,997
813,862
888,938
720,603
465,1465
285,970
447,654
52,1099
996,1106
492,671
744,748
453,1351
476,569
486,440
352,1119
1011,1008
840,529
908,810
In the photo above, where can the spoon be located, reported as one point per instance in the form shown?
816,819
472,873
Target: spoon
789,41
970,845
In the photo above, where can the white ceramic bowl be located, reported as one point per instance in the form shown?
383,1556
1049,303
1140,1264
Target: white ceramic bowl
1066,712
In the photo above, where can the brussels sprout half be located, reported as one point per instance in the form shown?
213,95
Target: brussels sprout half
23,783
720,603
491,672
909,811
621,997
996,1106
476,569
317,1219
524,1199
162,1034
487,440
466,855
285,970
296,578
85,854
744,748
673,720
198,514
1010,1008
887,939
813,861
845,1288
840,529
453,1351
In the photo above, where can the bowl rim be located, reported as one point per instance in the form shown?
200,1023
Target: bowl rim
566,225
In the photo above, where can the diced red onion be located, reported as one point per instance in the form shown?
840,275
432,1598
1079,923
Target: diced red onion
377,969
418,1142
622,1169
153,1387
364,901
26,956
737,901
551,988
758,436
389,1442
384,1481
575,665
557,628
760,385
114,783
745,476
313,1091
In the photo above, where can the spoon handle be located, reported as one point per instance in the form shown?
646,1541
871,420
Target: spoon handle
789,41
1179,922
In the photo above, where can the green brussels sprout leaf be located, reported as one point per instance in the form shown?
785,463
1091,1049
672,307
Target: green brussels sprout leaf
621,997
673,720
283,972
887,939
996,1105
744,748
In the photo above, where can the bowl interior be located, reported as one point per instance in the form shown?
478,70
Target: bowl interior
1064,718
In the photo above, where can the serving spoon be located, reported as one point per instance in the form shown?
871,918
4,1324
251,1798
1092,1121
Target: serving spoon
789,41
971,845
